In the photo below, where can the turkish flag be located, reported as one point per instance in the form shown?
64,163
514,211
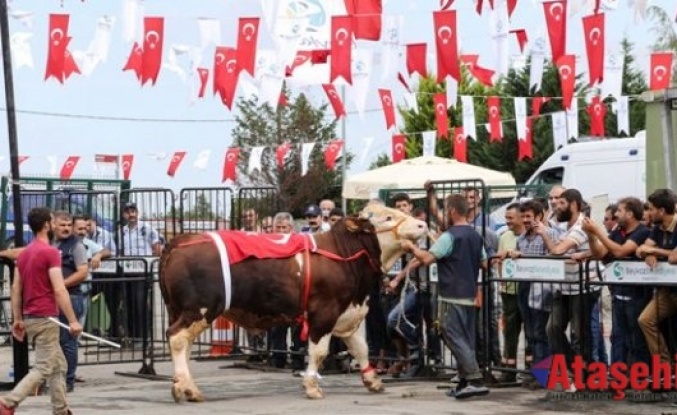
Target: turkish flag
441,116
403,81
388,107
331,153
447,45
460,145
341,48
417,58
58,42
597,111
203,73
334,100
68,167
127,164
536,104
566,67
175,163
281,153
556,20
248,34
153,38
69,65
593,28
23,158
525,144
302,56
399,150
230,164
521,38
483,75
661,70
135,61
106,158
225,74
511,7
367,16
494,111
282,100
318,56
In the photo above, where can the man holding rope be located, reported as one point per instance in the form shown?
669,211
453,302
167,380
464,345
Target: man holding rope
38,288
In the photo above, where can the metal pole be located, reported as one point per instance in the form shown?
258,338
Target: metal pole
20,348
668,148
344,202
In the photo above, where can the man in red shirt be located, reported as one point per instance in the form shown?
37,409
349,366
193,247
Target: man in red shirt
37,290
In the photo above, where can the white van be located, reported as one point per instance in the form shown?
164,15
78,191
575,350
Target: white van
615,167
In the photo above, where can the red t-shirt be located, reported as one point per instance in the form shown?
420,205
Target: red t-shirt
34,264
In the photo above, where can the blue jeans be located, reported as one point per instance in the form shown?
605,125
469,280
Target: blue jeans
69,344
538,321
599,353
627,338
404,318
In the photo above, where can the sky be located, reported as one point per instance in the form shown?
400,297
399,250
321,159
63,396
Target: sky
108,112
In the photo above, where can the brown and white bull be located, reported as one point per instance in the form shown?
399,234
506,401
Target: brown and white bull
327,286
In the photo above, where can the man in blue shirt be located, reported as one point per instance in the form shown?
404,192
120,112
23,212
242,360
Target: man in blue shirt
459,254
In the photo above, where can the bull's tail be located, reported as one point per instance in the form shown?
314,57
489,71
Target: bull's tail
164,264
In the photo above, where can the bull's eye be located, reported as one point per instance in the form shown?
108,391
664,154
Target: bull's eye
389,218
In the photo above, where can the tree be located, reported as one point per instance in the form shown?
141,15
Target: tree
663,28
296,123
202,210
382,160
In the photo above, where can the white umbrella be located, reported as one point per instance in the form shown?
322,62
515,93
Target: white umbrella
413,173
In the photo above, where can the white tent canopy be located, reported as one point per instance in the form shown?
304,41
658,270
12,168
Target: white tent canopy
413,173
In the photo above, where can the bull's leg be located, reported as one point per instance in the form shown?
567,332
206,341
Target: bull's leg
180,345
317,352
357,346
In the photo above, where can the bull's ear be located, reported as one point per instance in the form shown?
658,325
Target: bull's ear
352,224
364,215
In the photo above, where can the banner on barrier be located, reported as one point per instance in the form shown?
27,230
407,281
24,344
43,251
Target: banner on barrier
626,271
537,269
130,266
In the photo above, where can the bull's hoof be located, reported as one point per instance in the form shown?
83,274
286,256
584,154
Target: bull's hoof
313,389
177,394
374,385
191,395
194,396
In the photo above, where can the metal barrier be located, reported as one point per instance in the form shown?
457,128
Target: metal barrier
204,209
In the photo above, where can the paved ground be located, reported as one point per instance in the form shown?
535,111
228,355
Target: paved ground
241,391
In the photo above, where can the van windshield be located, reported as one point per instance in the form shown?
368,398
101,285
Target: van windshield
549,177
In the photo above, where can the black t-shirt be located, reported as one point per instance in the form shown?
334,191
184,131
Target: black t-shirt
664,239
639,235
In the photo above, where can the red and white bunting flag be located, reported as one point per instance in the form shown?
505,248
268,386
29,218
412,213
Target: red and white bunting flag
661,70
135,61
68,167
225,74
482,75
399,150
460,145
597,111
302,57
127,164
403,81
332,152
248,34
522,38
334,100
446,4
176,161
566,67
447,45
281,154
525,146
367,18
341,48
441,116
511,7
69,65
388,107
106,158
417,59
556,21
494,114
58,42
230,164
536,104
153,39
593,27
203,73
23,158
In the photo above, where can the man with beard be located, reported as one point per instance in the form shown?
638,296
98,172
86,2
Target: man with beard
662,241
628,301
570,306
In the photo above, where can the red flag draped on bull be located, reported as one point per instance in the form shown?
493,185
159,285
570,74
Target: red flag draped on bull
341,48
230,164
176,161
68,167
248,35
447,45
399,151
58,42
593,27
152,48
556,21
417,58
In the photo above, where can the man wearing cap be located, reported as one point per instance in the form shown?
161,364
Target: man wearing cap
138,239
313,215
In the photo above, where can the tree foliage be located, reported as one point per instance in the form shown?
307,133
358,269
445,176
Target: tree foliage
296,123
664,30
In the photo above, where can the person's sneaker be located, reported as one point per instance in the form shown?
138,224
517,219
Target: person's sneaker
472,389
70,388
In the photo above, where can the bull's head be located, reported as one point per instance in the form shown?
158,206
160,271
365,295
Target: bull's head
392,226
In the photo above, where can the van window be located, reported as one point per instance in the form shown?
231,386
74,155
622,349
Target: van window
549,177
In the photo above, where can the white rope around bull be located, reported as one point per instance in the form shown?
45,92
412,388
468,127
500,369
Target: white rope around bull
225,267
85,334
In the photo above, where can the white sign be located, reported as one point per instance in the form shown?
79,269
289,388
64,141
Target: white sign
130,266
626,271
536,269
